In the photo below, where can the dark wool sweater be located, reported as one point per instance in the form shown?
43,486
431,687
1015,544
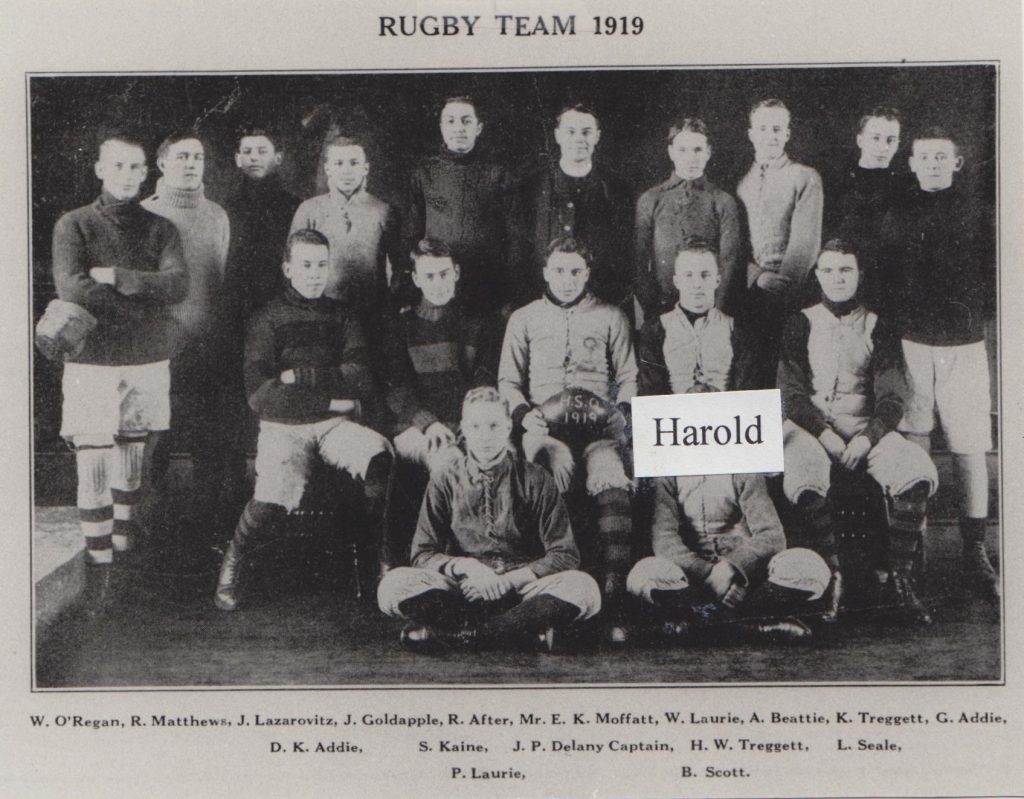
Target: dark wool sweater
938,257
595,209
862,199
434,356
882,368
293,332
135,321
460,200
261,213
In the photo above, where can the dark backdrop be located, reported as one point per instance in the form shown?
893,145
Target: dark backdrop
397,114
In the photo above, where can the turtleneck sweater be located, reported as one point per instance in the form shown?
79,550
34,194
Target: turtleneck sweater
204,230
135,323
434,355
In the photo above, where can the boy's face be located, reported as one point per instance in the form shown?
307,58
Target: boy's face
769,132
182,164
577,135
566,274
878,142
122,168
696,277
460,127
486,427
257,157
838,275
307,269
689,152
935,162
436,278
346,167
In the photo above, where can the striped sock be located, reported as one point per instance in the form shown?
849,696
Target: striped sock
95,507
126,481
615,527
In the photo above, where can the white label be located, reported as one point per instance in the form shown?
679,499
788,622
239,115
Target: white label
722,432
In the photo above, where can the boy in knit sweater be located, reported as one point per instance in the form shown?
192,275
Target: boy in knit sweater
493,559
124,265
783,201
364,233
720,563
939,257
308,379
685,205
568,371
692,348
435,352
458,197
200,391
842,380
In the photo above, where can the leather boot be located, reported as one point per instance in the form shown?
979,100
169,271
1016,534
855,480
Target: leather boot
834,606
617,631
785,630
99,589
230,578
428,639
902,582
979,574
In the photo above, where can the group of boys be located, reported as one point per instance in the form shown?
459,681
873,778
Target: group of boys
494,343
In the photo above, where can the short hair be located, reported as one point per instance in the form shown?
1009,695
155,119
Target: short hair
579,108
255,130
841,246
465,99
306,235
177,136
569,244
879,112
770,102
936,132
691,124
117,135
344,141
488,394
431,248
696,244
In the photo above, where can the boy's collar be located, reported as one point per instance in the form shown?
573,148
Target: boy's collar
345,199
295,298
840,309
571,304
430,312
677,180
773,163
477,469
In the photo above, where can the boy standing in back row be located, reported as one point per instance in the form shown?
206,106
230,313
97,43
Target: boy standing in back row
937,250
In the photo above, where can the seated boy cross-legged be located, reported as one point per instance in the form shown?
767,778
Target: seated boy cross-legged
307,378
493,558
720,565
842,379
568,371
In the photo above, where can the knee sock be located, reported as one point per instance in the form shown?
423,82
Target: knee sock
907,512
436,607
95,504
529,617
674,604
972,530
615,527
125,483
253,525
376,487
817,512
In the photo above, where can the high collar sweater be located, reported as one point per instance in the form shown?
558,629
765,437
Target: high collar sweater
135,324
205,231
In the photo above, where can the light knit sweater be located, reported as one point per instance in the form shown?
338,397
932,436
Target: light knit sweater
205,234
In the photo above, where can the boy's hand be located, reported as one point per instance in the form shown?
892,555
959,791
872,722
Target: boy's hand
103,274
772,282
855,452
723,581
833,444
438,436
288,377
485,587
534,422
342,406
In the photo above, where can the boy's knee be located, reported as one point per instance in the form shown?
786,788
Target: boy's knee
405,582
800,569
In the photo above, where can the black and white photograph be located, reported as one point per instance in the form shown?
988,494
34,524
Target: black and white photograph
483,399
334,376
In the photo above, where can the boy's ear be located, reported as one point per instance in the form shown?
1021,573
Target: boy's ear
98,169
958,164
